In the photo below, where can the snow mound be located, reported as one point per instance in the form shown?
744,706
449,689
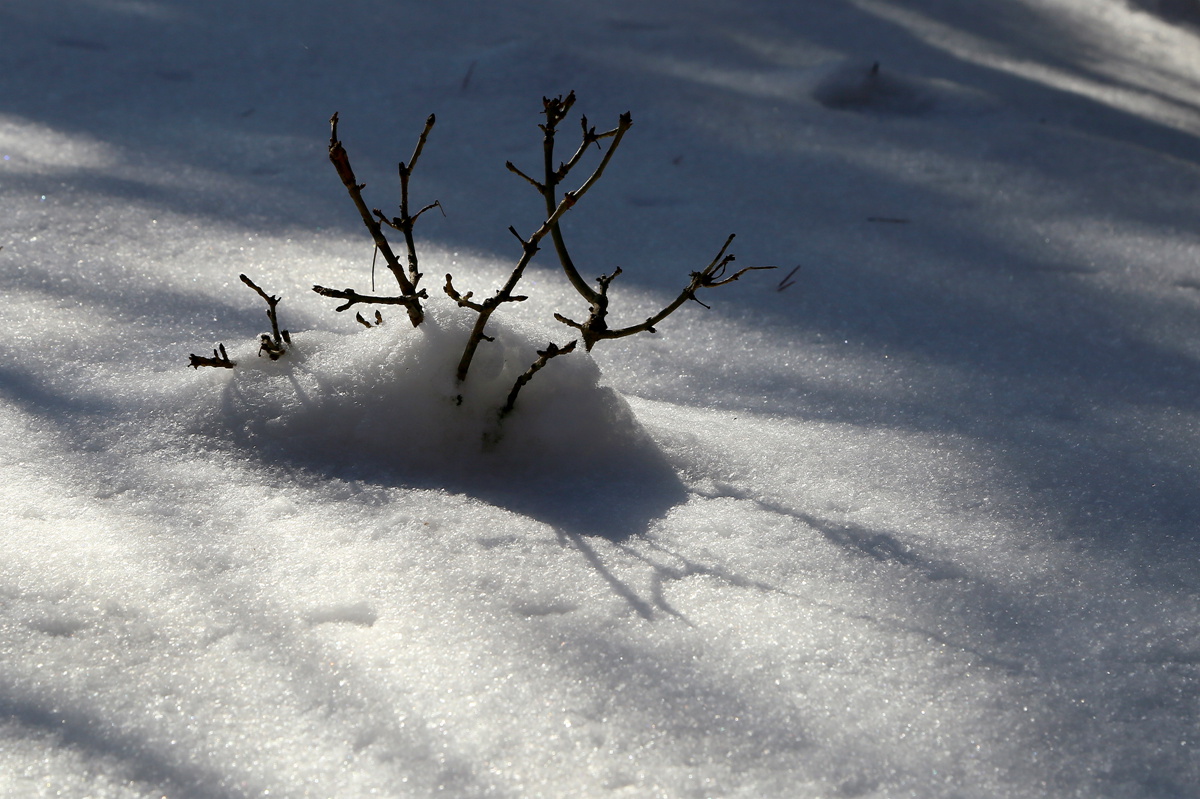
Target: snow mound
384,404
389,396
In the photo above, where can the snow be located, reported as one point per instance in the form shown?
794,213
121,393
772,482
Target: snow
922,523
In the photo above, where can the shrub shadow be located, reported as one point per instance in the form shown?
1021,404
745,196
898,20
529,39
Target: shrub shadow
613,502
603,503
614,492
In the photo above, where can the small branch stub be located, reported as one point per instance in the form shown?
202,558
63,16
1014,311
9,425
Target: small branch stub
363,321
219,359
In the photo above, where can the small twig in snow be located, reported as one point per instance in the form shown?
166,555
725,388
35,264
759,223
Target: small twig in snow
219,359
273,344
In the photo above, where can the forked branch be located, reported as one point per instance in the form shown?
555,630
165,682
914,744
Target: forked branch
409,297
486,308
404,222
555,110
274,343
595,327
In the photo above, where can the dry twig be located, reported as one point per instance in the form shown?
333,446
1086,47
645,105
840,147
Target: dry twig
352,297
274,344
595,328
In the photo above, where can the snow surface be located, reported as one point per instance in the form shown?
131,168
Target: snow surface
922,523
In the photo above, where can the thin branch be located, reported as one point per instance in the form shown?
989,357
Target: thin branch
553,177
590,137
435,204
626,121
485,310
412,162
712,284
382,217
552,351
398,223
269,300
463,300
405,222
512,168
